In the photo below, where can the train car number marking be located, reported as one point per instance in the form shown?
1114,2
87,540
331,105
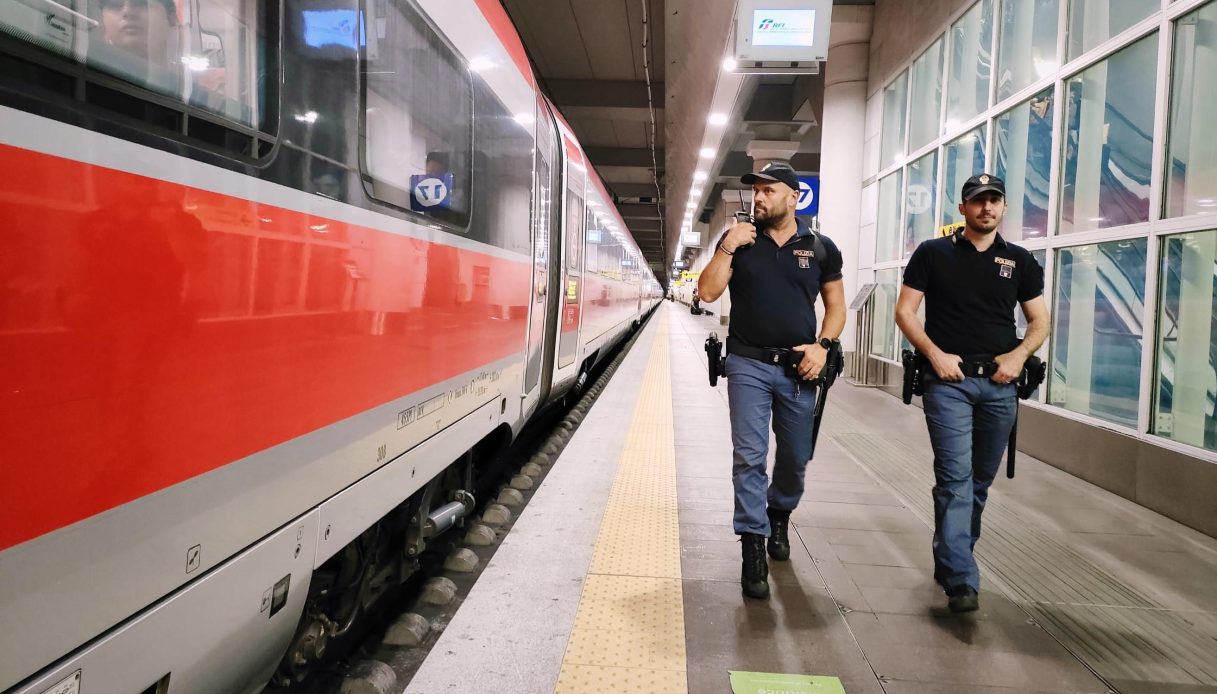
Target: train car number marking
67,685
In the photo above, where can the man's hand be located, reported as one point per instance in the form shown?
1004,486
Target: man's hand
947,366
814,357
1009,367
742,234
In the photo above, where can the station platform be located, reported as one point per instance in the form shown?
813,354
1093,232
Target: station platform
622,573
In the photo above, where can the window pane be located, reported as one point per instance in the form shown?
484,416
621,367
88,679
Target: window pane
1020,321
1096,352
418,143
1192,158
895,98
964,157
1186,377
1027,49
1024,162
883,319
211,58
1109,125
919,219
1092,22
971,63
888,225
926,97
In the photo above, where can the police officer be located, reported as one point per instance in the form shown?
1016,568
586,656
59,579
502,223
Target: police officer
971,281
775,275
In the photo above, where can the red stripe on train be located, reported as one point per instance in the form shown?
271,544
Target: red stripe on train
151,332
503,27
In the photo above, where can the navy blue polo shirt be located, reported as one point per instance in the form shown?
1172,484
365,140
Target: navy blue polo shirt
774,290
970,295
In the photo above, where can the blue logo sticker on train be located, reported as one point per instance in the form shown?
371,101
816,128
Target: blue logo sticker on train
430,192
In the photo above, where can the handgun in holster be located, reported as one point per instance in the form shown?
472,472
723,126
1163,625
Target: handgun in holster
913,367
714,359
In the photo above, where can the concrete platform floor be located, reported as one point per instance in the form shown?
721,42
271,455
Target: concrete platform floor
1082,591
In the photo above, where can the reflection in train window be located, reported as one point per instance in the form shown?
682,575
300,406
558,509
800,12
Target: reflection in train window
208,53
418,116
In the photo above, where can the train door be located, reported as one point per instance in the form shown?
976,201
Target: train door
546,273
572,255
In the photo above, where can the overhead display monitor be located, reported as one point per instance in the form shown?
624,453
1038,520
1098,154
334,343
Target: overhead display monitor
784,28
782,36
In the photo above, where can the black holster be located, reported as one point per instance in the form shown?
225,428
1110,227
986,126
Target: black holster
914,366
715,363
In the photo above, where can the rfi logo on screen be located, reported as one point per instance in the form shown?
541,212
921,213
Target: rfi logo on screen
767,24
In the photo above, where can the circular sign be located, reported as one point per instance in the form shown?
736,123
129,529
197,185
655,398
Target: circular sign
806,196
430,192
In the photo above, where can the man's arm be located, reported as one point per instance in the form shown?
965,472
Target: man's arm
814,356
1010,364
715,275
945,365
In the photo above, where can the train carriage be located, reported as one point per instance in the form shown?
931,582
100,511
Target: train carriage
276,277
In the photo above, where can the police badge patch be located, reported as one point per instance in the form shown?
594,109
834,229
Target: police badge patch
1006,271
804,263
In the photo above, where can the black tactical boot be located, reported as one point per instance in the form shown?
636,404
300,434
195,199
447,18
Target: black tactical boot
755,578
779,542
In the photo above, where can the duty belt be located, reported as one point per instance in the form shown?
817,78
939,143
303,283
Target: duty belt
769,355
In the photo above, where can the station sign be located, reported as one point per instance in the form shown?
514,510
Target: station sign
809,197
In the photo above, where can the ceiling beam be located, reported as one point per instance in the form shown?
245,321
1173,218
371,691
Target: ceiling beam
638,211
624,156
604,93
631,190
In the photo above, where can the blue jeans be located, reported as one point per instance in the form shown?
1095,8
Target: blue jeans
755,391
969,426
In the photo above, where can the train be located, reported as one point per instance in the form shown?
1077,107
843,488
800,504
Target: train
277,278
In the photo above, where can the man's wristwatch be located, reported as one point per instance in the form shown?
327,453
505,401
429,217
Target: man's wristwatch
824,342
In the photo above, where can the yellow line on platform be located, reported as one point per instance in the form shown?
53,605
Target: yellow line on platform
629,632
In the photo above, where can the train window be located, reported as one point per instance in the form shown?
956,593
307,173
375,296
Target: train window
210,56
418,116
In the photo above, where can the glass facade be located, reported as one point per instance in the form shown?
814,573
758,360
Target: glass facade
883,318
926,97
1191,161
1028,49
1023,154
962,158
895,101
1185,388
887,223
971,63
1097,331
1091,22
1109,126
1097,151
919,220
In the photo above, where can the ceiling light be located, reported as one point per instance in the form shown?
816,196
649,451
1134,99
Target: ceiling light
706,152
700,176
729,64
718,119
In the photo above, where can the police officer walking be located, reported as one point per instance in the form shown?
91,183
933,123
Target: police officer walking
775,272
971,281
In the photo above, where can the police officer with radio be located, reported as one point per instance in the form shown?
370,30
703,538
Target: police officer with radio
970,359
775,268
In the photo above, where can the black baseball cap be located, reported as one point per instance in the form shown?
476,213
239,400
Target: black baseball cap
982,183
774,171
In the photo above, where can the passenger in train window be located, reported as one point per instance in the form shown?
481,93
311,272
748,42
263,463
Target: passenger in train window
971,357
775,268
437,164
143,31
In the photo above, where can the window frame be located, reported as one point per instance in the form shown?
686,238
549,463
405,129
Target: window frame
365,173
90,83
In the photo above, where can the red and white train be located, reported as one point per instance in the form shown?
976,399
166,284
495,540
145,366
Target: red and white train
275,276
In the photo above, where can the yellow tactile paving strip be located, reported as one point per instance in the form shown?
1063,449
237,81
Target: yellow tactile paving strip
629,632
